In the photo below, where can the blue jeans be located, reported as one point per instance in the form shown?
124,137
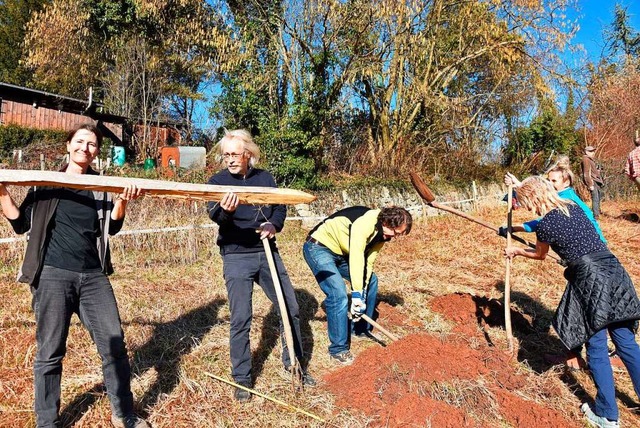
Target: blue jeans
329,270
241,270
598,357
59,294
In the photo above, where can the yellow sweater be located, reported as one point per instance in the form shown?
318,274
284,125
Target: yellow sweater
353,233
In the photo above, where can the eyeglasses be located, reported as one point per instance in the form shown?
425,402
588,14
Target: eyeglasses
227,156
397,231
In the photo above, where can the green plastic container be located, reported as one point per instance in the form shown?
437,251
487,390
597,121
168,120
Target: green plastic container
149,164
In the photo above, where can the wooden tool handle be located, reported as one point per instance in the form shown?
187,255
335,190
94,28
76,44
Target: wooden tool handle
284,313
507,275
379,327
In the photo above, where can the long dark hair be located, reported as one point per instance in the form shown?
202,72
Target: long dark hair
87,127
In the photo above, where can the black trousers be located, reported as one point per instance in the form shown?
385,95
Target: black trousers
241,270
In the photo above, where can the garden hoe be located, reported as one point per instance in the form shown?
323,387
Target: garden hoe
296,370
426,194
383,330
374,324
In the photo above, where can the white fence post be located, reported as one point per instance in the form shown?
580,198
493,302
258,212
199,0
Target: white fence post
475,195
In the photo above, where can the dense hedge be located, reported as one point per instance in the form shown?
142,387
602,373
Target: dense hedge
14,137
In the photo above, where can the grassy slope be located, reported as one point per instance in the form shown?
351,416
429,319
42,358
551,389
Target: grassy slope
173,306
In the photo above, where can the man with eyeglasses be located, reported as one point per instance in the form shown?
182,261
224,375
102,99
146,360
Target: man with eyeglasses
344,247
242,228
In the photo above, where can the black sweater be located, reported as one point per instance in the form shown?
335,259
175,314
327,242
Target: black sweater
237,232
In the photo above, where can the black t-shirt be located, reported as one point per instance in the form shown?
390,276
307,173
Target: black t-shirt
570,236
73,233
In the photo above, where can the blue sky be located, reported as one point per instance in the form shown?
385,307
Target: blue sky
595,16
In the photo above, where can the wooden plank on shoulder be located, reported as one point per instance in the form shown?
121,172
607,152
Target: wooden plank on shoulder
157,188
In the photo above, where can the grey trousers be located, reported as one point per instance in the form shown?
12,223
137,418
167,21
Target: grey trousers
596,197
241,270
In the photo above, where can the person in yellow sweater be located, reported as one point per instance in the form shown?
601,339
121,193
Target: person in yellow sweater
344,247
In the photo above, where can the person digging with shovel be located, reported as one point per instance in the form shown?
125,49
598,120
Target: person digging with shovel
245,260
344,247
562,178
600,297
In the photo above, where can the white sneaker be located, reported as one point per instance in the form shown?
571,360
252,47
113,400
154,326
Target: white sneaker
597,421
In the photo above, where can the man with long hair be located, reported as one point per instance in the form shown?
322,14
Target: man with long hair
242,228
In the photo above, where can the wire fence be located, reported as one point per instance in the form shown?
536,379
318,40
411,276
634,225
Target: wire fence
474,201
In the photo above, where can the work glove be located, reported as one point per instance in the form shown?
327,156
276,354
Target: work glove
358,306
502,231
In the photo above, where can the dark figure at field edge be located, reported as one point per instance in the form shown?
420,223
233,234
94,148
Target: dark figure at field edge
632,166
592,178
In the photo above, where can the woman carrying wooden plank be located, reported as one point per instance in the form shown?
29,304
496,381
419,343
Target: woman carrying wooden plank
66,264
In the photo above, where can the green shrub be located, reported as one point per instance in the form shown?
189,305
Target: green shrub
13,137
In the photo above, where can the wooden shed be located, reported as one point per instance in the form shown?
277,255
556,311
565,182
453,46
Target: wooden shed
32,108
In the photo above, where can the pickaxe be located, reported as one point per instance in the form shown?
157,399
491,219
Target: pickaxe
429,197
383,330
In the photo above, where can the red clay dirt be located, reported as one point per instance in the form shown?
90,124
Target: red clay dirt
440,381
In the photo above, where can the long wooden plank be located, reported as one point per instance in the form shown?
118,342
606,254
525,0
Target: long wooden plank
159,188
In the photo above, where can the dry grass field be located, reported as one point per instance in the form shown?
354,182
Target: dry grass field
175,315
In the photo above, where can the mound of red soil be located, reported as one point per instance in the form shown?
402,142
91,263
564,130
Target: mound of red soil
470,312
440,381
390,316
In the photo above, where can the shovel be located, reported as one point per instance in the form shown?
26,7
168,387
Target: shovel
426,194
296,370
507,276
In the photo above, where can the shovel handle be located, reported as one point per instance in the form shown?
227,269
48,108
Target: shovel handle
379,327
487,225
284,313
507,274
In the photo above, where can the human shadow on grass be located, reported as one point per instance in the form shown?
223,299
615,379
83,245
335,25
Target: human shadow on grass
271,331
630,216
531,327
391,298
535,341
80,405
169,343
163,351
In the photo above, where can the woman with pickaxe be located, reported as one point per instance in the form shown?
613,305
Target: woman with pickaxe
345,246
599,297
